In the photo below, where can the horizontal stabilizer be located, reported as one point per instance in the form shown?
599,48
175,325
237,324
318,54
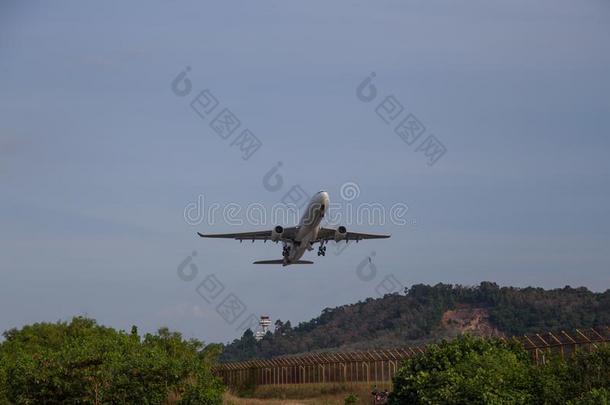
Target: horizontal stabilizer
282,262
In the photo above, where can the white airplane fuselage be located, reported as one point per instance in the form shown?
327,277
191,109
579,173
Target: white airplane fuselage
309,226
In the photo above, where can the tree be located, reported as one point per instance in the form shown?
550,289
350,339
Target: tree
467,370
473,370
585,375
3,382
82,362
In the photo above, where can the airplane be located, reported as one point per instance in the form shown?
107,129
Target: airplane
301,238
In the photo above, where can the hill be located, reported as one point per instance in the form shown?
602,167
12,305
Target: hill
426,313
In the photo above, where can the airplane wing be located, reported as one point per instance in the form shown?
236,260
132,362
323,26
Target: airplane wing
288,234
326,234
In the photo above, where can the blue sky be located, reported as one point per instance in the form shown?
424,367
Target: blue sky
98,157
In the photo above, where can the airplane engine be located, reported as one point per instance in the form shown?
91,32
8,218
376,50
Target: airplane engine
340,233
276,233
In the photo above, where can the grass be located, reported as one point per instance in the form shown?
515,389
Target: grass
308,394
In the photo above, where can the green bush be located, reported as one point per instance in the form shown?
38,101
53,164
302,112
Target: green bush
3,382
83,363
487,371
466,370
597,396
575,379
351,399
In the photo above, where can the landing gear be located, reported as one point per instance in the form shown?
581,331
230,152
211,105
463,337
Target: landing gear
286,251
322,250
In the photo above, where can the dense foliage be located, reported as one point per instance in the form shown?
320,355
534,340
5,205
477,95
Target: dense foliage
471,370
82,362
415,317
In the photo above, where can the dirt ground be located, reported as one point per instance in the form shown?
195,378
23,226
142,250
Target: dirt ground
323,400
363,393
328,400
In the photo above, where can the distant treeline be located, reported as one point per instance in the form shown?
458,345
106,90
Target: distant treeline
415,317
82,362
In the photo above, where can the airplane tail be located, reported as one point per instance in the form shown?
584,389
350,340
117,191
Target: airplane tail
280,261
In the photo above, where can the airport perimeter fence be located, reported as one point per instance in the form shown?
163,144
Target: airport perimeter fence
379,366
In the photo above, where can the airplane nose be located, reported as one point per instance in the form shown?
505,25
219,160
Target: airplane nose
323,196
